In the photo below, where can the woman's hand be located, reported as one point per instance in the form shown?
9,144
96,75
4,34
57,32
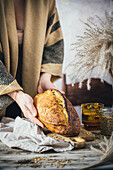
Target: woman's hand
45,83
25,102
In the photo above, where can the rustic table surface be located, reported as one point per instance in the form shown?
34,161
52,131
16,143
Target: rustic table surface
13,158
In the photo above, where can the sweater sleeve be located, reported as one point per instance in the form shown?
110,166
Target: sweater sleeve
54,46
7,85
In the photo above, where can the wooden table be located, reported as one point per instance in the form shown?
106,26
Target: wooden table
12,158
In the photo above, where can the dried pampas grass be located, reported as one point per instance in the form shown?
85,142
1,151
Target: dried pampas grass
94,50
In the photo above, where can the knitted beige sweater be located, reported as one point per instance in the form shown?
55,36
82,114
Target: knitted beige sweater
42,45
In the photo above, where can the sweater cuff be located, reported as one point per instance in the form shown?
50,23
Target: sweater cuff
54,69
5,89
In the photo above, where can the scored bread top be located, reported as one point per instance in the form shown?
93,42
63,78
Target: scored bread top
57,113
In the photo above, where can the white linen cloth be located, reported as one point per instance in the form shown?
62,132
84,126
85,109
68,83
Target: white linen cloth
23,134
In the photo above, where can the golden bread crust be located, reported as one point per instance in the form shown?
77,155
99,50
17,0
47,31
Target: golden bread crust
57,113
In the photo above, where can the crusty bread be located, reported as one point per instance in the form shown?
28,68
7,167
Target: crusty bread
57,113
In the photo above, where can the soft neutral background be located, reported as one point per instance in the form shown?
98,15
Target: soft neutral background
70,13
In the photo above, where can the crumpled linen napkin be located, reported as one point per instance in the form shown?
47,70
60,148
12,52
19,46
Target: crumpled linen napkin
23,134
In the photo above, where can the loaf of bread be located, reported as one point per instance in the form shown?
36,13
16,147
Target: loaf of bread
57,113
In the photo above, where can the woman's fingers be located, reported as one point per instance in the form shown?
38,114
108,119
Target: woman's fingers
28,114
46,84
25,102
31,107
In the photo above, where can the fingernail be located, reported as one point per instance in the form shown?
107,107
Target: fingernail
42,125
34,114
62,92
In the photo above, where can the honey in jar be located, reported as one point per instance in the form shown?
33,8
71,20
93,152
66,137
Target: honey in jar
91,115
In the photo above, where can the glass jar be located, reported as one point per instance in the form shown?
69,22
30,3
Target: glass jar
106,126
91,115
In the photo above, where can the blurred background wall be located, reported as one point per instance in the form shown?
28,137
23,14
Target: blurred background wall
70,13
